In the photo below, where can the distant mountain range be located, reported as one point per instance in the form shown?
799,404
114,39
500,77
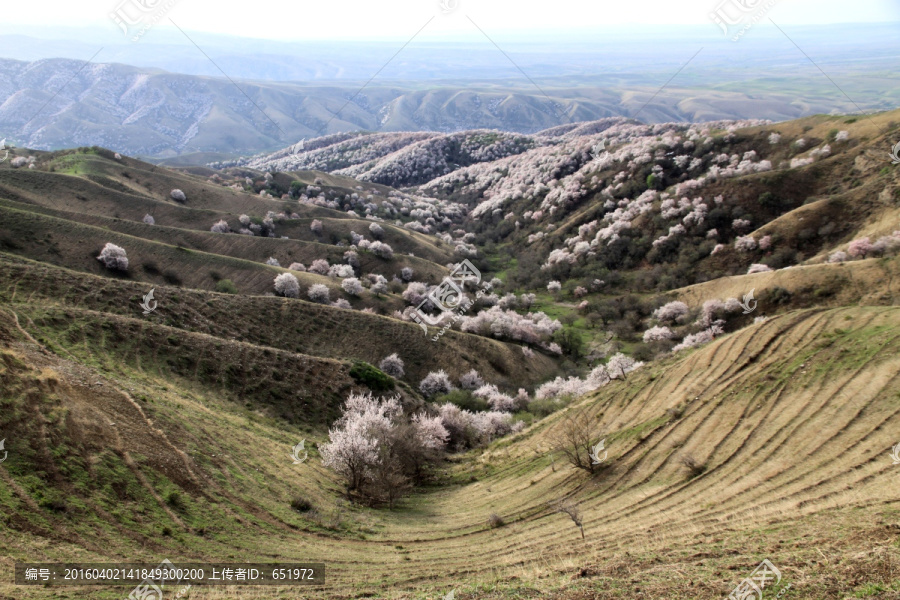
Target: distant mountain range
274,97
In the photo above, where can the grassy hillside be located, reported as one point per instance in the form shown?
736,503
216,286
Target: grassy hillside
791,421
92,182
283,323
255,249
742,436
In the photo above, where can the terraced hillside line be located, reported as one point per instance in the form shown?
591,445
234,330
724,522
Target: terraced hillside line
872,282
129,189
299,327
253,248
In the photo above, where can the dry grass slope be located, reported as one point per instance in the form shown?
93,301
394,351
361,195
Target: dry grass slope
791,419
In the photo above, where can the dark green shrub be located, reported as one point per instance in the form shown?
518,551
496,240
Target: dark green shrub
463,399
371,377
769,200
570,341
226,286
301,504
174,500
778,295
542,408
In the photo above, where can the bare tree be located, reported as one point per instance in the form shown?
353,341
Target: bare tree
575,439
570,508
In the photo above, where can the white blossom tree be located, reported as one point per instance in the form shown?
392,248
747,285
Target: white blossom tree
436,382
113,257
471,380
319,266
319,292
392,365
352,286
287,285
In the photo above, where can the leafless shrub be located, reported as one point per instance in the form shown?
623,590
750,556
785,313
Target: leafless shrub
675,412
567,507
694,466
495,521
575,438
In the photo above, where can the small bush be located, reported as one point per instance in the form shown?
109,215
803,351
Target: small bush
777,295
694,466
301,504
226,286
544,407
675,412
174,500
464,399
495,521
369,376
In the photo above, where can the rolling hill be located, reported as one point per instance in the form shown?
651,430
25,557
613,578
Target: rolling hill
713,305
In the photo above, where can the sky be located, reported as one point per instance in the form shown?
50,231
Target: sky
298,20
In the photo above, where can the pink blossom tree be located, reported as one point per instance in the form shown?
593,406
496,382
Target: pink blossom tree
673,312
860,248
